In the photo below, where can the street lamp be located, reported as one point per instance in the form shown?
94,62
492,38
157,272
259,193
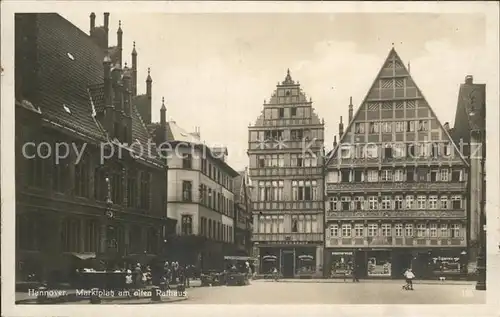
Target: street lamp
480,134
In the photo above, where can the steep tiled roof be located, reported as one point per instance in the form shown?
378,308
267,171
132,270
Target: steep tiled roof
69,62
237,186
141,102
471,99
179,134
70,77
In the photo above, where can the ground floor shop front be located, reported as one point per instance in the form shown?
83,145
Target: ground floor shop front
391,263
297,261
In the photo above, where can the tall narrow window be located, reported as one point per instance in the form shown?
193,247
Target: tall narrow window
421,230
398,202
346,203
187,191
373,203
444,202
398,230
421,200
455,230
132,189
409,202
433,202
187,224
333,203
386,202
433,230
409,230
145,190
456,202
358,230
82,178
445,233
187,161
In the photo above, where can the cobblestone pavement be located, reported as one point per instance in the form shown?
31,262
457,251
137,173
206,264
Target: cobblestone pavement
365,292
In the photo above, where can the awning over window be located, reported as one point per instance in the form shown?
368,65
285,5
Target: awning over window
84,256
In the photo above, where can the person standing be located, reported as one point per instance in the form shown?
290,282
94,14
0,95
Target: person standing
355,272
409,276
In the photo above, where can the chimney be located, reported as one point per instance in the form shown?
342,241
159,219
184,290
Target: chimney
108,96
127,91
106,28
341,128
116,74
469,79
446,126
350,109
334,141
163,113
92,22
107,82
149,95
134,71
119,41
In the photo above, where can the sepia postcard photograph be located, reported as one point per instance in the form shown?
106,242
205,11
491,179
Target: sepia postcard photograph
298,158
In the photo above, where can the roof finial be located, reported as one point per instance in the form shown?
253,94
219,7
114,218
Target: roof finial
288,71
149,71
392,44
350,100
119,23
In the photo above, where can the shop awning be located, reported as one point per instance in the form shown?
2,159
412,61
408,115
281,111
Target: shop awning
306,257
269,258
239,258
84,256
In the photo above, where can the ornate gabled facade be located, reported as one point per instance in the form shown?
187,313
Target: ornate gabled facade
396,186
285,146
72,89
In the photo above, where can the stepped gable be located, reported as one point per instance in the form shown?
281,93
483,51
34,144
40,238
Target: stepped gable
395,95
288,92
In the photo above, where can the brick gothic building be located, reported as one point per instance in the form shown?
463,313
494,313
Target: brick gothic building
470,118
287,200
73,88
396,185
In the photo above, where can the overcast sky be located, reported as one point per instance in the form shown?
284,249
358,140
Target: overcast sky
215,70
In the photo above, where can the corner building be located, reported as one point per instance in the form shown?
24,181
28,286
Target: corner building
286,168
396,186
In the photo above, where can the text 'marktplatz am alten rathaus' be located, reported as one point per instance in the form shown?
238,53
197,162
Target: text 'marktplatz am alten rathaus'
399,189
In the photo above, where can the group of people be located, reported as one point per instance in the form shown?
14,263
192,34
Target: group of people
170,273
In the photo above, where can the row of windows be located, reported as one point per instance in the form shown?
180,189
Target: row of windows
211,199
136,189
215,230
291,112
301,190
396,175
396,202
299,224
389,126
292,134
278,160
215,174
398,150
387,230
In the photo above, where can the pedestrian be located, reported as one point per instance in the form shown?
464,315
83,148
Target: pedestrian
409,276
138,276
128,280
188,274
355,273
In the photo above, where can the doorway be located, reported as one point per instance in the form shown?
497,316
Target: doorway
287,264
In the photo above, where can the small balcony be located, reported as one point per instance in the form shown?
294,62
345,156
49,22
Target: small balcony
287,237
391,241
395,214
349,187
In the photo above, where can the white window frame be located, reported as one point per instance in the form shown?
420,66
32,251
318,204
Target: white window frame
398,202
432,202
372,229
409,202
444,203
372,176
421,202
400,126
409,230
444,175
372,151
421,230
399,175
373,203
386,230
334,231
386,203
358,230
386,175
398,228
456,198
334,201
346,230
433,230
444,231
455,227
